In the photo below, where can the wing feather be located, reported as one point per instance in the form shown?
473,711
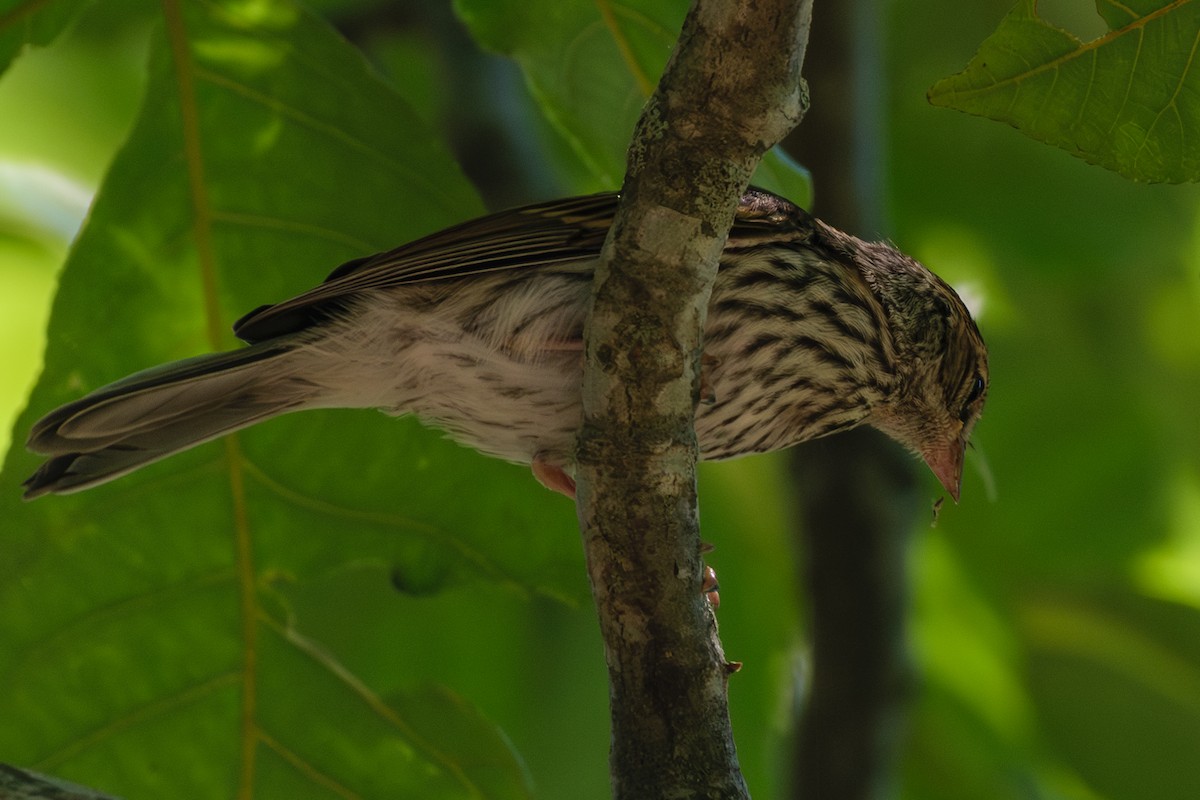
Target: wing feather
532,236
523,238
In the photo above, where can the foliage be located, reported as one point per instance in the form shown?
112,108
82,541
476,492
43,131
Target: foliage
165,600
412,620
591,67
1128,100
30,22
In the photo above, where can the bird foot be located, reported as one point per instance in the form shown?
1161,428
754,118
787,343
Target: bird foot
553,477
708,584
556,479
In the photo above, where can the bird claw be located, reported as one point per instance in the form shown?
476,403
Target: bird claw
556,479
708,584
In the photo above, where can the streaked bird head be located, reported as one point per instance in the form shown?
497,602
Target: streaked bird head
941,378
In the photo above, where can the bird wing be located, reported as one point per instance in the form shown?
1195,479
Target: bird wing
532,236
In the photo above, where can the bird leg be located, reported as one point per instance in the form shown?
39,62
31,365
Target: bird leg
556,479
709,585
553,477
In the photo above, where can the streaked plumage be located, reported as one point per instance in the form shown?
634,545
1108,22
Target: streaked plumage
477,330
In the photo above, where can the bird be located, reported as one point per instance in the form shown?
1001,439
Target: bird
478,330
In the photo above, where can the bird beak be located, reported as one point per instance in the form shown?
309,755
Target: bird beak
946,461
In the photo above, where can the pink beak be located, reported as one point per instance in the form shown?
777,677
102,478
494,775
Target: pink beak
946,461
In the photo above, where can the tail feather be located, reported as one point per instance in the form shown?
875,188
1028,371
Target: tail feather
153,414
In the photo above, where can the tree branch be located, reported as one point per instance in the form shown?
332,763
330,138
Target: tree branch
731,91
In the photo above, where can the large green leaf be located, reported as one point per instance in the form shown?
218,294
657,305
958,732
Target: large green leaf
150,644
1128,101
592,65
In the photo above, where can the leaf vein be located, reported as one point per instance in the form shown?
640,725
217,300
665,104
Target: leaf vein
373,701
306,767
401,523
626,50
326,129
186,75
70,634
268,222
118,725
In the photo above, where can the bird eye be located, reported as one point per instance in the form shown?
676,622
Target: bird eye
976,390
973,394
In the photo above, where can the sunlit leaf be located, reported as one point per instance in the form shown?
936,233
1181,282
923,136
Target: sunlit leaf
1128,100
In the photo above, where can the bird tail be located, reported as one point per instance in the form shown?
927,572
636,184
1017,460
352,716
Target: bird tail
155,413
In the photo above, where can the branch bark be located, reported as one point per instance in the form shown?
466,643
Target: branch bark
730,92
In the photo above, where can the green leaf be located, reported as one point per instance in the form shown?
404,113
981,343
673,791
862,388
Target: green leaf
150,645
25,23
1126,101
591,66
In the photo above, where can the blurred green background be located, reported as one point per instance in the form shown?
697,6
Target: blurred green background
1055,612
